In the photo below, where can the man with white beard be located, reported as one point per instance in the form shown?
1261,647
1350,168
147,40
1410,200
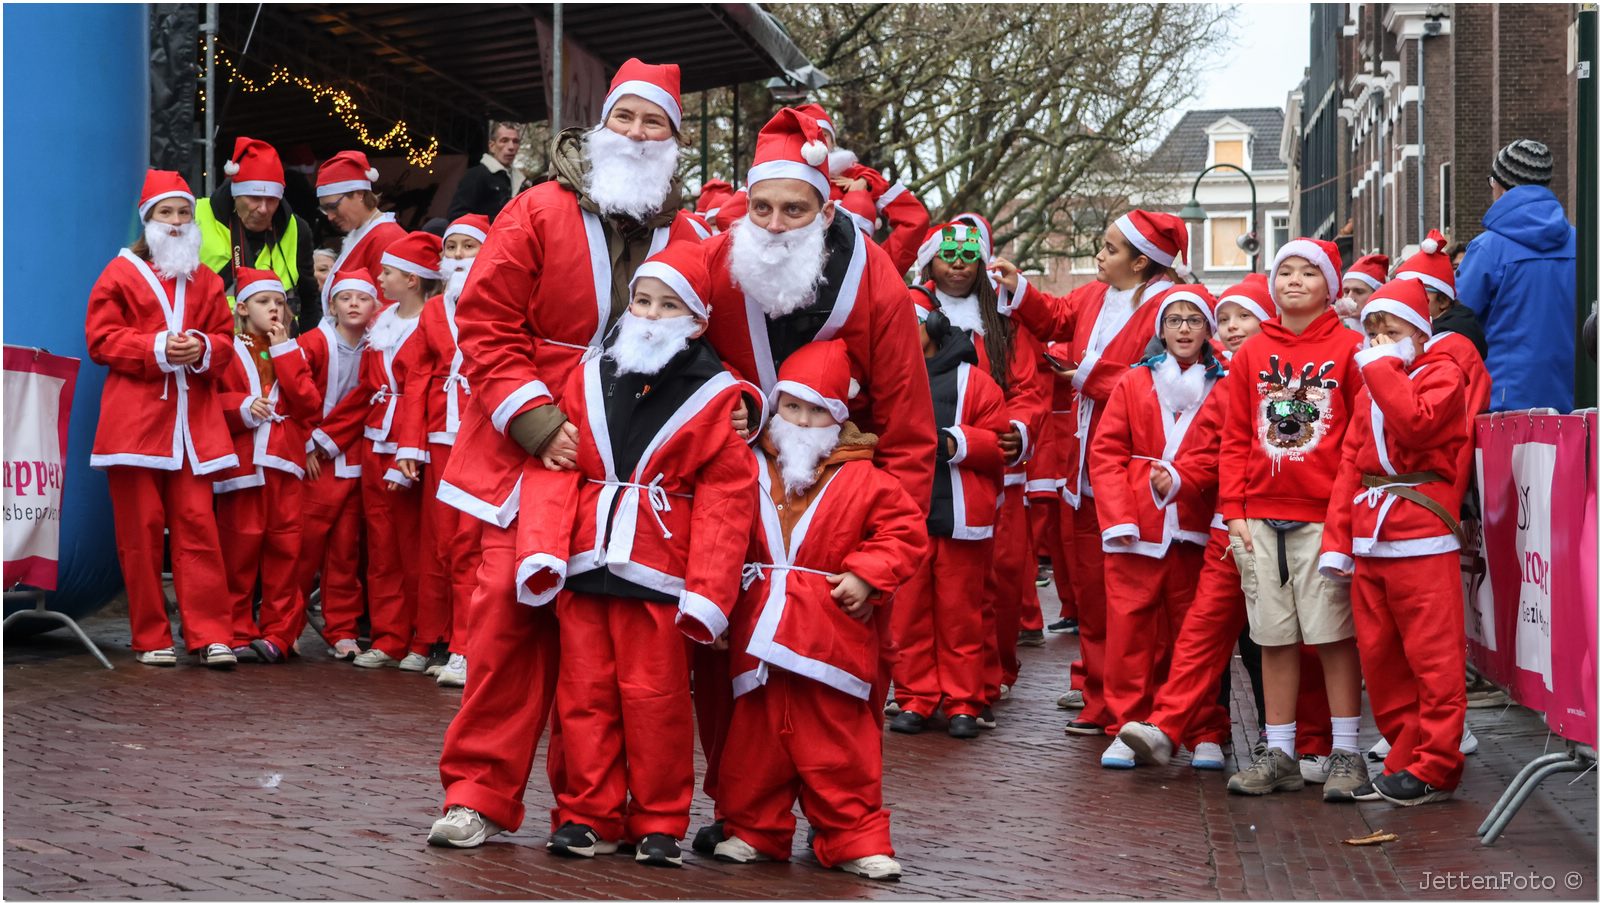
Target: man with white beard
551,278
158,319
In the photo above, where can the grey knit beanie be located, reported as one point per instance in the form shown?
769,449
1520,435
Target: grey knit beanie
1523,162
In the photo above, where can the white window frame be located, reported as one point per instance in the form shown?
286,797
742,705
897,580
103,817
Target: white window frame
1229,129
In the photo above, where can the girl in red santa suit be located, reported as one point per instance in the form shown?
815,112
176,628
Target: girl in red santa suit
837,538
1109,323
159,321
330,536
268,398
638,546
346,198
432,399
391,503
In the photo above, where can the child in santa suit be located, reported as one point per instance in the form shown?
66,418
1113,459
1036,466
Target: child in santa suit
268,398
638,546
938,621
159,321
1364,277
391,503
432,398
837,538
1392,530
330,535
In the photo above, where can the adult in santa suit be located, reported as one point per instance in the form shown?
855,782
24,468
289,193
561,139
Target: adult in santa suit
159,321
345,195
1109,323
551,278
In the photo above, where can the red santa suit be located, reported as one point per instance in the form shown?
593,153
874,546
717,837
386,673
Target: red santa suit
160,437
362,249
1048,515
1402,449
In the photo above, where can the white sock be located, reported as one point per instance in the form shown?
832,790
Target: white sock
1281,736
1346,732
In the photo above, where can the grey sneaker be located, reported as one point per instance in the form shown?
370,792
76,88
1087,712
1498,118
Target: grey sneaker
1277,770
1149,744
1315,768
374,658
1346,774
461,827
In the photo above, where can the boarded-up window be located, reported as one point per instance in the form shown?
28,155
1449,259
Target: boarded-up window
1223,251
1228,151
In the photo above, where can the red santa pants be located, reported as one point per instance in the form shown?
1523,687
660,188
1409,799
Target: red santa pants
713,710
1146,600
513,652
145,501
445,576
260,532
623,701
1060,543
1089,588
1409,630
797,739
394,553
330,542
938,627
1010,581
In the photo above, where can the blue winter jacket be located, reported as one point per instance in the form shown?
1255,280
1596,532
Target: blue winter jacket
1521,279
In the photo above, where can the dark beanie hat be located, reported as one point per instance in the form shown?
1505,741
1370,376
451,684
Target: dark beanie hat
1522,162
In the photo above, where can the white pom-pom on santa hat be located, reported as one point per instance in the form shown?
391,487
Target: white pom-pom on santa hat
1182,269
855,389
1429,246
230,168
814,152
372,174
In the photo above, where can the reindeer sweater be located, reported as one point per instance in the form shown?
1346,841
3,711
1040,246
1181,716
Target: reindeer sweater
1288,402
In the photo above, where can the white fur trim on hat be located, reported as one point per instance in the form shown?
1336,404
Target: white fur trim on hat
675,281
1368,278
1395,309
258,188
1301,247
468,231
359,285
647,90
256,288
408,266
789,169
346,186
1433,282
147,206
1185,295
1248,303
1144,245
837,408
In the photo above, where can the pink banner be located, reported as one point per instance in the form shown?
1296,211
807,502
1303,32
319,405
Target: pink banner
38,402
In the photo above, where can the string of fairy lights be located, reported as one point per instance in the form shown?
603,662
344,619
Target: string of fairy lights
342,106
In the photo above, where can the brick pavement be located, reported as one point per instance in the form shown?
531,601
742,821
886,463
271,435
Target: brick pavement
318,780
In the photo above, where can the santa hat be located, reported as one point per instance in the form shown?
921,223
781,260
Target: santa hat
254,282
473,225
255,169
935,237
417,253
1194,294
1403,298
657,84
1161,237
819,373
160,184
1253,294
790,147
713,195
1322,254
357,279
1431,266
682,266
1372,269
344,172
815,111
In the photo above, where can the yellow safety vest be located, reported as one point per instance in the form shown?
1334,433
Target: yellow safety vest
216,249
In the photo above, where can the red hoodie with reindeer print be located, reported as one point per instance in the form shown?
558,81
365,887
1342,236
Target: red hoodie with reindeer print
1288,404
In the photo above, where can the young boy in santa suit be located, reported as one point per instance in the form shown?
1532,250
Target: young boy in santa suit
268,398
1287,410
159,321
330,534
391,504
345,195
1360,281
432,398
938,622
1109,322
1392,529
836,538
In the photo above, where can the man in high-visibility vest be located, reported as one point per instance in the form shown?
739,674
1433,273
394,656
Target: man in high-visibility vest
247,224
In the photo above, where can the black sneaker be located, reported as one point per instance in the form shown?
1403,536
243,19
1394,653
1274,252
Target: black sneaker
268,651
963,727
985,718
1030,638
1043,577
438,657
573,839
1085,729
246,653
658,850
707,838
1065,625
1366,793
908,722
1404,789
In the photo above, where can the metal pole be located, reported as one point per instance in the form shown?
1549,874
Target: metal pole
705,143
1255,226
1588,191
209,165
557,88
735,145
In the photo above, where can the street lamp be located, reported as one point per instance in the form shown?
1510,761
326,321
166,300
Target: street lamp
1194,214
785,92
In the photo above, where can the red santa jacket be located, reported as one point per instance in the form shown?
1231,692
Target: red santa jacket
1046,469
520,333
434,392
368,412
968,408
675,523
322,358
1139,433
1406,422
279,441
856,519
363,249
152,413
865,302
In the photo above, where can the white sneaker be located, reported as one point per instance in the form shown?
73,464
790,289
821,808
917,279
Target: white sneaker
414,661
1072,699
345,650
374,658
164,658
1150,745
1469,743
1207,756
462,827
735,850
877,867
218,655
454,673
1314,769
1005,692
1117,755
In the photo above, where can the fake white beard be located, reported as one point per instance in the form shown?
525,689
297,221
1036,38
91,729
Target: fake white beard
780,271
800,451
1180,389
455,274
961,312
173,256
645,346
389,330
626,177
1408,350
840,160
